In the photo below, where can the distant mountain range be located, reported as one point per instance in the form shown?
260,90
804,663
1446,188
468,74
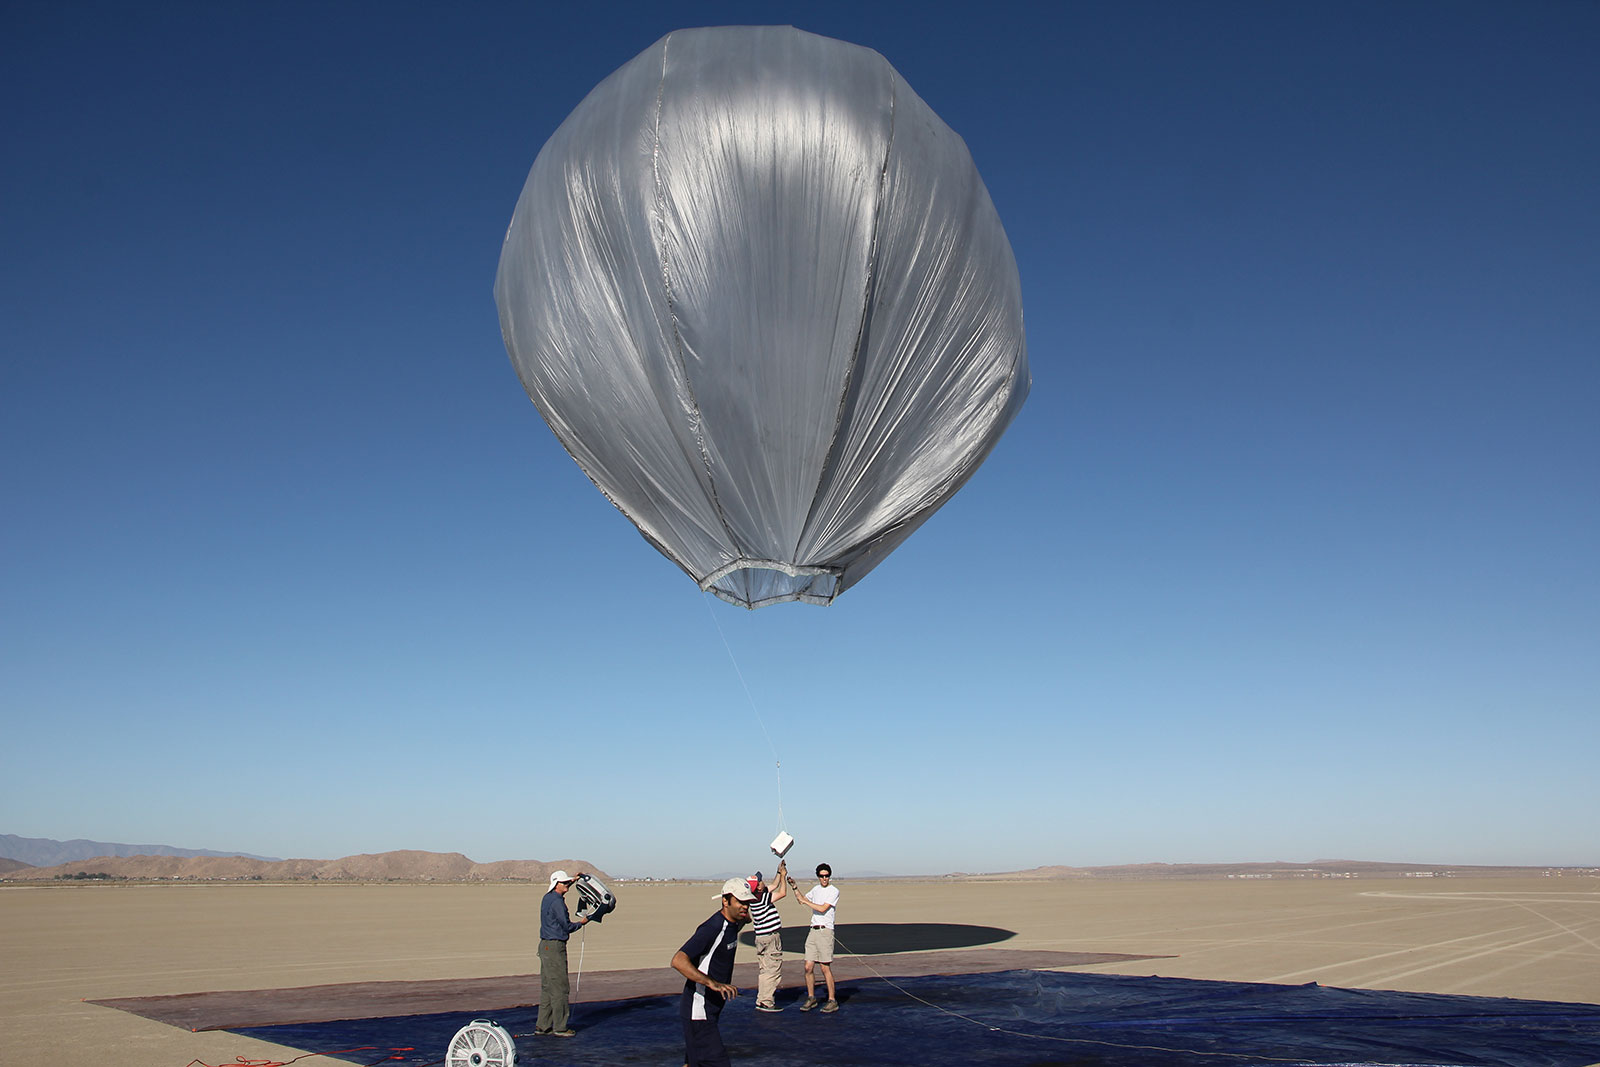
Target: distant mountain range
38,859
400,866
44,852
1143,872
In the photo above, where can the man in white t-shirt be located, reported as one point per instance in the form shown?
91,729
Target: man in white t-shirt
823,900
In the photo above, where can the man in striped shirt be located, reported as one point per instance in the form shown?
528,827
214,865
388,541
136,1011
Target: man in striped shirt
769,936
706,963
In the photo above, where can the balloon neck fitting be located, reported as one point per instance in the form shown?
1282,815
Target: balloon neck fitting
755,583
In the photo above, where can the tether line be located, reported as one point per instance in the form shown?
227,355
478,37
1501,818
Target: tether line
1052,1037
760,721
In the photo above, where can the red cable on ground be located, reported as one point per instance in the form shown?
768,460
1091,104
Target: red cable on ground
245,1061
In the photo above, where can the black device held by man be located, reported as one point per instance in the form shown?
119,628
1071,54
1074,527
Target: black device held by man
594,899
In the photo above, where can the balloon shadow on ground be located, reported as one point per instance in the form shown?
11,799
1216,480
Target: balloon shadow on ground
876,939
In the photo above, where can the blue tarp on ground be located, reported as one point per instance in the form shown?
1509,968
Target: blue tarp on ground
1027,1019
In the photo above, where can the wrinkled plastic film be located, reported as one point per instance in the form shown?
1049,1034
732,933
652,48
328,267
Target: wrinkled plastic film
758,291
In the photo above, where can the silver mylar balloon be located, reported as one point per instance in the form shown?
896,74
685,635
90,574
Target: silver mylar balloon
758,291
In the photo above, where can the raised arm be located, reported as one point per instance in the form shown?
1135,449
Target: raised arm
813,905
554,912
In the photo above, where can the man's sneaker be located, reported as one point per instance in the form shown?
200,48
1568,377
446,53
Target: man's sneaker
832,1005
541,1033
574,1033
810,1003
767,1007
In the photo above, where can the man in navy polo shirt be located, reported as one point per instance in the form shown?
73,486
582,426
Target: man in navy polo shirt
706,963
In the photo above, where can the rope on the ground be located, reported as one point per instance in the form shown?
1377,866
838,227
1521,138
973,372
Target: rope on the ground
246,1061
1047,1037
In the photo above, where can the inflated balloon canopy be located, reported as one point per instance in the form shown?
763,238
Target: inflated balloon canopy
758,291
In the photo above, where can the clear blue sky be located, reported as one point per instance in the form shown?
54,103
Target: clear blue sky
1293,553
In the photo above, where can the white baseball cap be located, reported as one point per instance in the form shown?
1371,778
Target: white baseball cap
738,889
560,876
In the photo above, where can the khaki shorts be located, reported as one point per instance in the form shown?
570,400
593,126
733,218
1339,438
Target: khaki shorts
819,945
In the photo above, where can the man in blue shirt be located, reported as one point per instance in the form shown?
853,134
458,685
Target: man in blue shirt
555,926
706,963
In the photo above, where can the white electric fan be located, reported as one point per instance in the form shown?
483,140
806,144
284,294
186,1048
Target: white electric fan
481,1043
